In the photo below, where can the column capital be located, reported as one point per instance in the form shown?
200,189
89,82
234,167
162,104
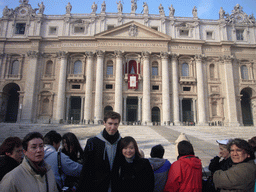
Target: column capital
89,54
62,54
33,54
118,53
100,53
228,58
145,54
164,55
174,55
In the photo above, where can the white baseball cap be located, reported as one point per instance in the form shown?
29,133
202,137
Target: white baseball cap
223,142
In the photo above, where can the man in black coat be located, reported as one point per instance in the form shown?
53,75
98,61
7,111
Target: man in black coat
101,158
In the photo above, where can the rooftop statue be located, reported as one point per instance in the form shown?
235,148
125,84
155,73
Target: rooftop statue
194,11
7,12
103,7
94,7
119,7
172,11
134,6
68,8
161,9
145,8
221,13
41,8
24,1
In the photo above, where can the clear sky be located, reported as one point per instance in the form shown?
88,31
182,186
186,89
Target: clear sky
207,9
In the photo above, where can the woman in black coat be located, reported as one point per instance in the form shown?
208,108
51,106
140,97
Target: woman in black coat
135,173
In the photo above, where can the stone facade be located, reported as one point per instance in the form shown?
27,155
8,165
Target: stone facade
151,68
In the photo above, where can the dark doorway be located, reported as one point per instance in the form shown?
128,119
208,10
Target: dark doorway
188,115
246,107
11,102
75,109
132,108
155,114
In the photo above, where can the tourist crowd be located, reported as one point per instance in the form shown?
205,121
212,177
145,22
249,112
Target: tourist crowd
110,163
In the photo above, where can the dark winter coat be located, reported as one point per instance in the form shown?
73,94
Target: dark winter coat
6,165
223,165
96,174
136,176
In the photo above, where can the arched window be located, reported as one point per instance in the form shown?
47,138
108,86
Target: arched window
212,68
78,67
48,68
244,72
155,68
15,67
185,70
45,106
110,67
214,108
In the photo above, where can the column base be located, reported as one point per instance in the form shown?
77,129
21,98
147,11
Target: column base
233,124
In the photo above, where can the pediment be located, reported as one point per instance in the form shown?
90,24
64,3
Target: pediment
132,30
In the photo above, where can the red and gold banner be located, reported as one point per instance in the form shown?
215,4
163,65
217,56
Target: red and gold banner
132,81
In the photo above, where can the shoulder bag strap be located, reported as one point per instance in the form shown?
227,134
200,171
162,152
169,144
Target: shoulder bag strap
59,167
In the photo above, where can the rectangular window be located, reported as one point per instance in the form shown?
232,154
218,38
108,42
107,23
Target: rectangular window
155,28
186,88
79,30
209,35
52,30
75,86
110,70
154,71
184,32
20,28
240,35
110,27
155,87
109,86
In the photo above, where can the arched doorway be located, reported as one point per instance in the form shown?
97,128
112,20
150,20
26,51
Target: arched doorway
10,103
155,115
246,106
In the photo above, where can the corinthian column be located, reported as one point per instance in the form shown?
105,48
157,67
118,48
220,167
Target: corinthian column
200,90
99,87
29,111
88,89
60,111
146,108
230,91
165,88
175,90
119,82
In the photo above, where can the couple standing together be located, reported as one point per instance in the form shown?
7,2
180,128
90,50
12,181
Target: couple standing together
112,163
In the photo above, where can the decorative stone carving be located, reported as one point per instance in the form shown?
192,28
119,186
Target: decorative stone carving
94,7
7,12
89,54
145,8
103,7
41,8
221,13
161,10
119,7
68,8
32,54
164,55
194,12
100,53
133,6
62,54
118,53
145,54
172,11
133,30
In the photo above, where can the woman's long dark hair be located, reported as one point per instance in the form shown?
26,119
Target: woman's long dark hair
126,141
71,140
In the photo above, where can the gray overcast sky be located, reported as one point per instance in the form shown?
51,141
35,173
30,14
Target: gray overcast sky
207,9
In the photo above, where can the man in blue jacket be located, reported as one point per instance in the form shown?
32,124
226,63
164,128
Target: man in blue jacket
101,158
160,167
68,167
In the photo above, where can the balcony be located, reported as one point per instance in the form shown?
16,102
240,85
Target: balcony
77,78
187,80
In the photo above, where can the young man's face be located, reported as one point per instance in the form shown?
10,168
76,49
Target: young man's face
111,126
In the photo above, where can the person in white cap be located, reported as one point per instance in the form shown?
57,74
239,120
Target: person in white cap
226,162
